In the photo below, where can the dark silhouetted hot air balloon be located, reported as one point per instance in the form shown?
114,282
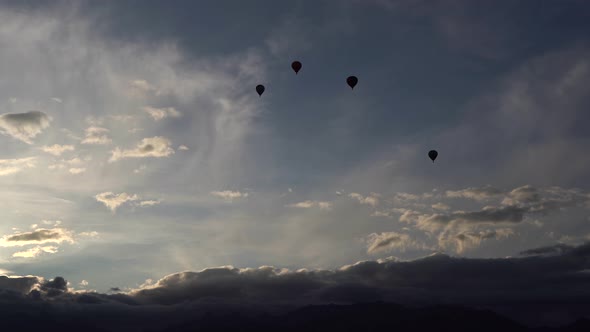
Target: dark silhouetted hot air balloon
432,154
296,65
260,89
352,81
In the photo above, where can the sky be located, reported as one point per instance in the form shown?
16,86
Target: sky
136,152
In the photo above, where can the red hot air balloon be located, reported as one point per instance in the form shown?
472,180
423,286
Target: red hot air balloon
296,65
260,89
352,81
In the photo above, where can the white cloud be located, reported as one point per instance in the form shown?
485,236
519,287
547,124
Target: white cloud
57,100
183,147
113,201
140,88
149,203
73,161
310,204
89,234
157,147
440,206
229,195
57,149
161,113
11,166
35,251
24,126
478,194
96,135
372,199
77,170
83,283
141,168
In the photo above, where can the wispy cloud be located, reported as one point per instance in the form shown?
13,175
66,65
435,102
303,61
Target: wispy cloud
161,113
310,204
387,241
97,136
57,149
372,199
35,251
229,195
112,201
11,166
78,170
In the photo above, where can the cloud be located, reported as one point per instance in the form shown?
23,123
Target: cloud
140,88
310,204
388,241
57,149
149,203
488,215
89,234
83,283
57,100
473,281
35,251
372,199
113,201
229,195
478,194
553,250
465,240
183,148
37,236
440,206
24,126
495,283
140,169
22,285
11,166
161,113
157,147
96,135
77,170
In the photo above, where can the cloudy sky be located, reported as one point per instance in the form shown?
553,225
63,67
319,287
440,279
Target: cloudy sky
134,145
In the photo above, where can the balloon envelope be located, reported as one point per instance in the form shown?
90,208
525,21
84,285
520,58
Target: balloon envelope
260,89
432,154
296,65
352,81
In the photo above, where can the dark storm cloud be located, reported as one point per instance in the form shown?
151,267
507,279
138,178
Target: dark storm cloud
437,277
433,278
492,283
556,249
19,284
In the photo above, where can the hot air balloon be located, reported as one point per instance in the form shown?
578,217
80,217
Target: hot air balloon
260,89
352,81
296,65
432,154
